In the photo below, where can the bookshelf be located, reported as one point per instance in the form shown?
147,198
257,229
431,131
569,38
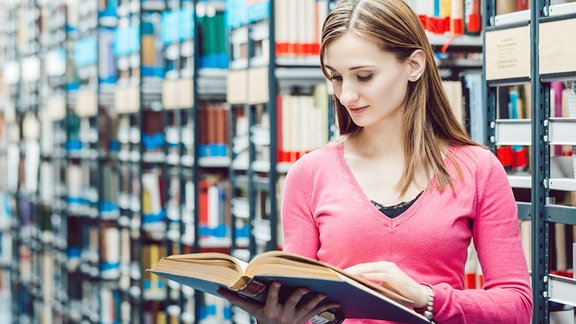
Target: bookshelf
133,162
6,213
104,134
520,53
52,188
271,65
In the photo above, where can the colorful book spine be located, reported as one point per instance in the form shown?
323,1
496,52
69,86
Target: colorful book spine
457,17
472,17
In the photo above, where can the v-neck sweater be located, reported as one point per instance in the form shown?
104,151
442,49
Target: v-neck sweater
327,216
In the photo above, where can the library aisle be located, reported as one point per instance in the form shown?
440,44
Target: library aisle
134,129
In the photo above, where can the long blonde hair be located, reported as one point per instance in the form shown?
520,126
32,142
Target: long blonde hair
429,121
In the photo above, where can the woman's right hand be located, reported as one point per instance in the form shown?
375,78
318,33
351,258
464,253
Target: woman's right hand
272,312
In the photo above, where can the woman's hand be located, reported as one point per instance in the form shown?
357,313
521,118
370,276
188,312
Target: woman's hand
389,275
293,311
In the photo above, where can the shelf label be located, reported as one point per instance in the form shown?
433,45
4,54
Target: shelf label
508,53
557,46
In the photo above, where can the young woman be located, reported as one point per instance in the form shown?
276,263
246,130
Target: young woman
399,196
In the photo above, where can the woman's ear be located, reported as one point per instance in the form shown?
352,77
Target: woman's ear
417,61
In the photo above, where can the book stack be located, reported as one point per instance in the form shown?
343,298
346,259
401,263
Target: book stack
449,17
302,123
298,25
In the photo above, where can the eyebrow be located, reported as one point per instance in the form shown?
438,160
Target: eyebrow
352,68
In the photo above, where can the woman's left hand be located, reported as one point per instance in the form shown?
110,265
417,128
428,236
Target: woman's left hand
389,275
292,311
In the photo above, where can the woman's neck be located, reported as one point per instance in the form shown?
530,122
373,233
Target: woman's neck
372,142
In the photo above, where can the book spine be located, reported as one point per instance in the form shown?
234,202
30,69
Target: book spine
445,16
504,7
457,17
472,17
470,268
282,27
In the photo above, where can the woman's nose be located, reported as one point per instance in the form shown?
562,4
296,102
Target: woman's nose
348,95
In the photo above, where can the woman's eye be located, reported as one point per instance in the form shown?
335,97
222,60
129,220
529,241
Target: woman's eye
336,78
364,77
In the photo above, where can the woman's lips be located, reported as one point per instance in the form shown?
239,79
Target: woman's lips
357,110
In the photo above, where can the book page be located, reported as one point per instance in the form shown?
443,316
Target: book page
224,259
215,267
287,264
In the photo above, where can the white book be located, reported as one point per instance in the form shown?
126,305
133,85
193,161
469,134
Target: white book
309,123
286,123
294,23
321,13
46,182
112,237
213,206
106,306
281,17
152,187
31,166
307,19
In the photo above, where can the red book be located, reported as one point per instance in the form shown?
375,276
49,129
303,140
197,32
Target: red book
203,186
523,5
504,154
457,17
472,17
470,281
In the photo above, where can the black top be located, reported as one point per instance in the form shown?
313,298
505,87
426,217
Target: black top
395,210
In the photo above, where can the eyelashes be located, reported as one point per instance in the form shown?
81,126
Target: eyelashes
364,78
361,78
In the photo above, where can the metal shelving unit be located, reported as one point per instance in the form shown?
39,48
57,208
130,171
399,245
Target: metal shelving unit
520,49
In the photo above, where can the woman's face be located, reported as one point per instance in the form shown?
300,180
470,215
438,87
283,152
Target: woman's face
369,82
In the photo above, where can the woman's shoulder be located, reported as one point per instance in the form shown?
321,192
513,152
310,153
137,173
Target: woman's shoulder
477,153
476,157
320,157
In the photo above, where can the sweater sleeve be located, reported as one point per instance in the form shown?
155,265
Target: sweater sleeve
507,293
299,227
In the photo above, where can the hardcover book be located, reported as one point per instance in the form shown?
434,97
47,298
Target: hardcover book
358,297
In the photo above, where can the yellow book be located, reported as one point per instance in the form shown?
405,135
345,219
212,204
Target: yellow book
358,297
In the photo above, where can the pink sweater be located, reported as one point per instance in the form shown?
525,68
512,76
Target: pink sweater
327,216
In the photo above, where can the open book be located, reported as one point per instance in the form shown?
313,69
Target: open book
358,297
